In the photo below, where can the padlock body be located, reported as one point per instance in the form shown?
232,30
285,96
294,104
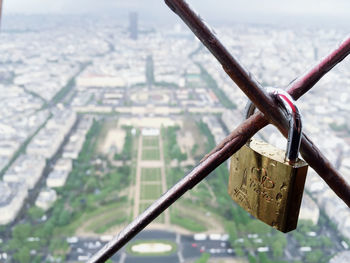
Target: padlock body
266,186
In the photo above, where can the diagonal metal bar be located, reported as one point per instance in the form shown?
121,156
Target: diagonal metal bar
221,153
242,77
255,92
309,151
202,170
311,77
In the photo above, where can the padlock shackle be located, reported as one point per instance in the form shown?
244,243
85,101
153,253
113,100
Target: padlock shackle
294,118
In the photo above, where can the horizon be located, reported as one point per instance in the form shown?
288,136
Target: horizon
324,13
285,21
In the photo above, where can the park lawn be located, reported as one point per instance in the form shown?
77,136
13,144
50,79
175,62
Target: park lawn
150,141
151,191
150,154
75,224
150,174
103,224
144,206
186,221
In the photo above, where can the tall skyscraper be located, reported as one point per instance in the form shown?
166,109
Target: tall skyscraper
133,27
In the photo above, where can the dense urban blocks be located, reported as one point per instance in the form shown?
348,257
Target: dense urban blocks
165,90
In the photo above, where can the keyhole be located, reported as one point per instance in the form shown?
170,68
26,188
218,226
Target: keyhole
279,197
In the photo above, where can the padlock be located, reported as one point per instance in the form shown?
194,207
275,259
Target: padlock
269,182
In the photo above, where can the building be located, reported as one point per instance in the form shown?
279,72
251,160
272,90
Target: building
342,257
27,169
48,141
57,178
77,139
46,198
309,209
11,200
64,164
133,25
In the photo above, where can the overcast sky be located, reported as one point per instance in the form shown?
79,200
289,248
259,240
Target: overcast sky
228,10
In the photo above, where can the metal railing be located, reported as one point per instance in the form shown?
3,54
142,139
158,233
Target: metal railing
270,113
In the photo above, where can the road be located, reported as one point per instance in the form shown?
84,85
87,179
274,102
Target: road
187,248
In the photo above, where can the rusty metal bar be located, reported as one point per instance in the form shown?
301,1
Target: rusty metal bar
188,182
221,153
242,77
309,151
255,92
311,77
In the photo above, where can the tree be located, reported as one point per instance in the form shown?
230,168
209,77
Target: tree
14,244
263,258
37,259
92,184
326,241
232,231
314,256
239,252
258,227
23,255
64,218
277,249
22,231
44,231
251,258
305,226
278,244
35,213
204,258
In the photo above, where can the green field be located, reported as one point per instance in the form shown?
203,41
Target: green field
149,141
102,224
186,221
151,192
150,174
150,154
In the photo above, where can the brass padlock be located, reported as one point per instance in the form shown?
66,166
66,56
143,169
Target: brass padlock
268,182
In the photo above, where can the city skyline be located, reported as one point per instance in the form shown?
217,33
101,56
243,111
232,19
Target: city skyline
320,12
